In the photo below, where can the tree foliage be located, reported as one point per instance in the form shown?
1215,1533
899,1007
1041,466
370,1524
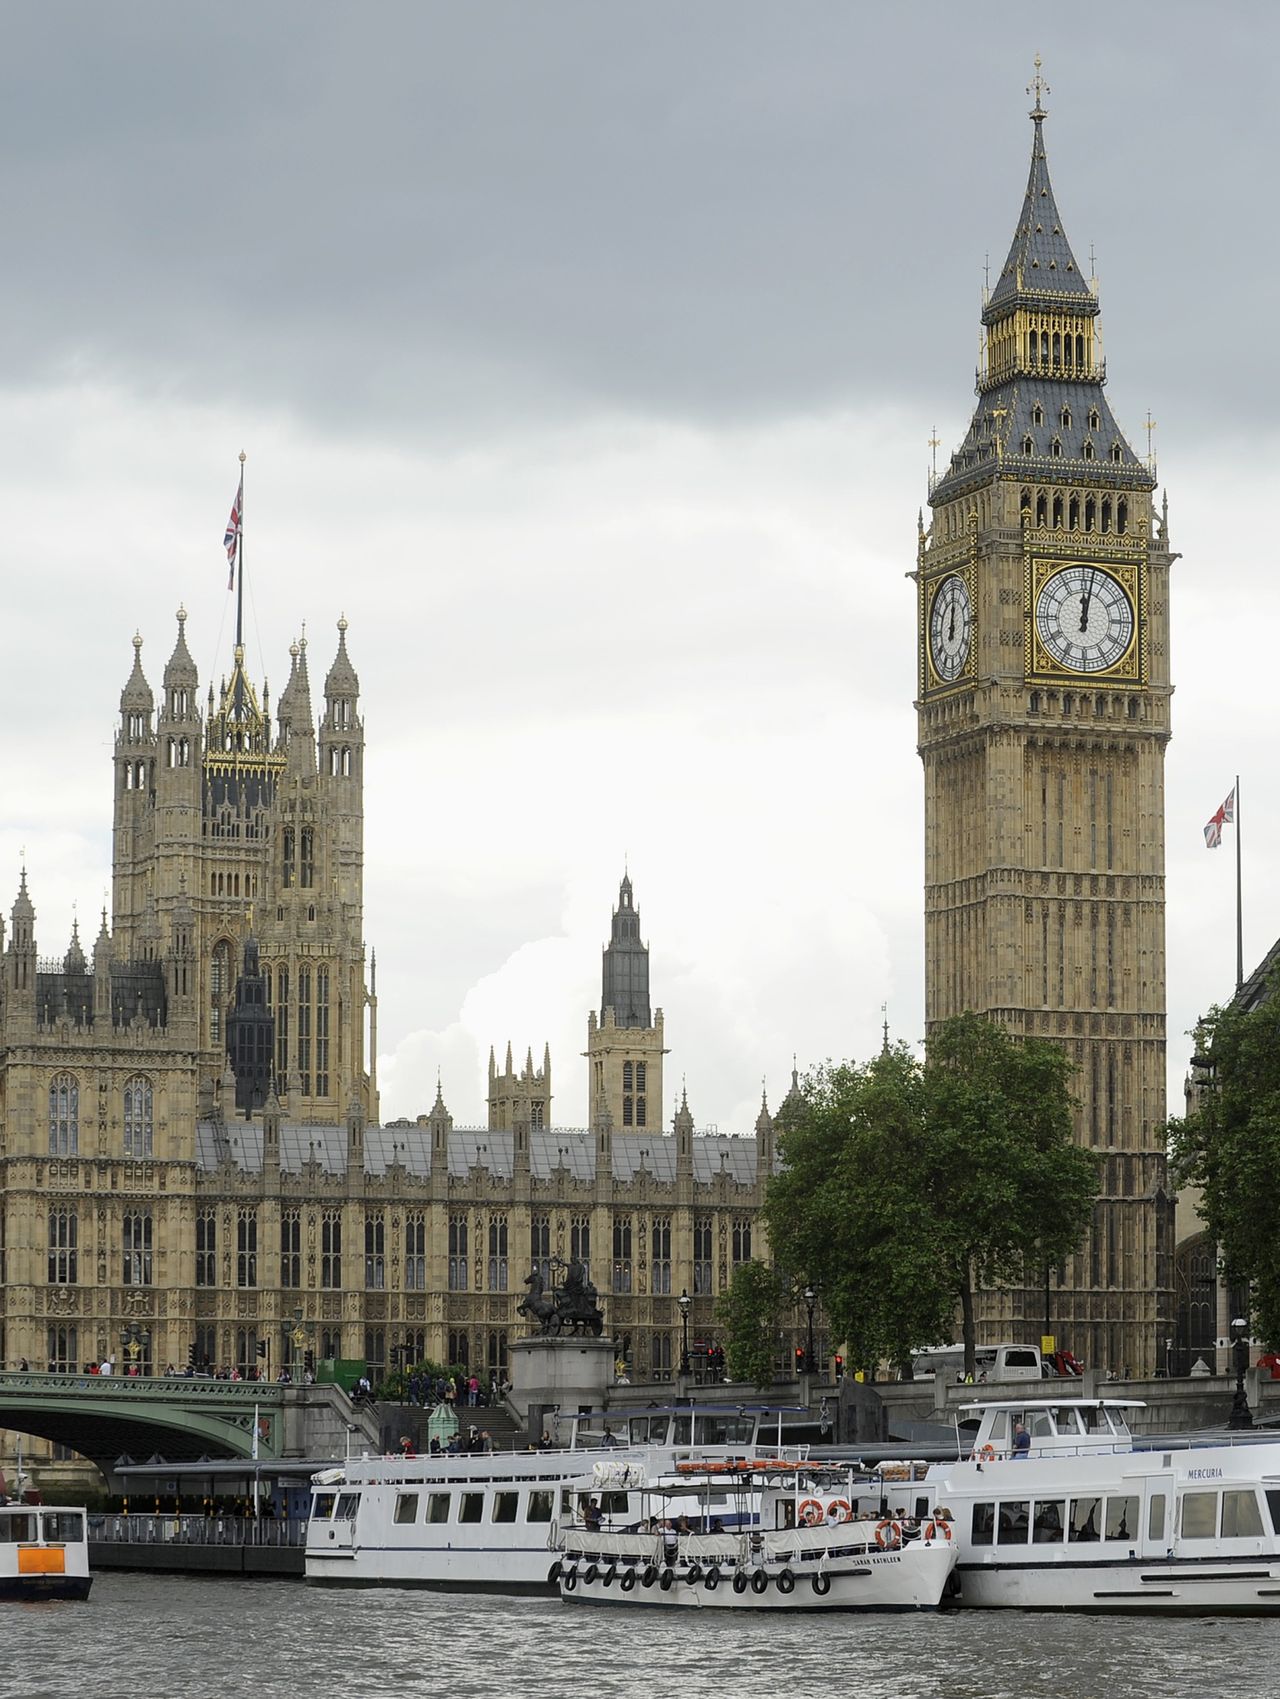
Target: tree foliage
908,1185
751,1314
1230,1148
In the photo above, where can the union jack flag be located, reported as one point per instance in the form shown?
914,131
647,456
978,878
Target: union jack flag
1224,817
233,533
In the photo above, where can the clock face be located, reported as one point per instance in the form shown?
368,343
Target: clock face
950,628
1084,618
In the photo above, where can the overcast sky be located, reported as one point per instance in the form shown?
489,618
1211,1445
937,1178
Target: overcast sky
587,356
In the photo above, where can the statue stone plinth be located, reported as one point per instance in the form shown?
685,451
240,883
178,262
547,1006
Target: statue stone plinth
569,1372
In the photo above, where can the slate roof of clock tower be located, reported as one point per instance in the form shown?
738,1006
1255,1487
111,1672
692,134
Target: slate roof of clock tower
1045,425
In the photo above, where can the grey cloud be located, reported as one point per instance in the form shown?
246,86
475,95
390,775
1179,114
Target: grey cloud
440,218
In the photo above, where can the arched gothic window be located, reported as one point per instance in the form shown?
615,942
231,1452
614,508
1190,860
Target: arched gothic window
137,1116
64,1115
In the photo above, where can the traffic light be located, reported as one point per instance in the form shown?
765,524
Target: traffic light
839,1368
799,1359
191,1356
262,1347
309,1361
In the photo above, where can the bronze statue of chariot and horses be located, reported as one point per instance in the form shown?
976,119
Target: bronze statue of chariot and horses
568,1308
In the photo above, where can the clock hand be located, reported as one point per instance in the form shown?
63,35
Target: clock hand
951,628
1085,600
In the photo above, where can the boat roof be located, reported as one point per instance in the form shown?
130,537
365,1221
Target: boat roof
620,1411
1057,1404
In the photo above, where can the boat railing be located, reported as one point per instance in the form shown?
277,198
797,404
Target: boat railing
149,1530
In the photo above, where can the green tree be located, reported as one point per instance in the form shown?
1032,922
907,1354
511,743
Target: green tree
751,1314
906,1186
1230,1148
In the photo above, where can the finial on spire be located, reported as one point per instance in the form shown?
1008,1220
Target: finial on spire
1038,87
244,456
1151,453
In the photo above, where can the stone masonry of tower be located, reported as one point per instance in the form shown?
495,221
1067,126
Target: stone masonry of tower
189,1142
1043,715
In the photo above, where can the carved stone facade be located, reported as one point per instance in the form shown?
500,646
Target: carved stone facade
190,1159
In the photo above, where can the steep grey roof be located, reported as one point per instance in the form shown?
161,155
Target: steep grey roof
1006,417
1040,260
478,1148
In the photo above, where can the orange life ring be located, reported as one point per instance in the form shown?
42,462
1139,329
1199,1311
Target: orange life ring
942,1528
840,1504
888,1534
810,1513
987,1454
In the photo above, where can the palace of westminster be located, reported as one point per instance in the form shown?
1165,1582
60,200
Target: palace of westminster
189,1133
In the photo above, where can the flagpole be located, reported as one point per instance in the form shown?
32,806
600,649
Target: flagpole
240,562
1239,902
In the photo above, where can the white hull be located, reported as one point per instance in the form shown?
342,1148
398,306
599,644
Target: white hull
914,1579
1209,1587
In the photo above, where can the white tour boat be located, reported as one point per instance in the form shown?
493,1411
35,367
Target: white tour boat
1070,1515
795,1542
486,1522
44,1552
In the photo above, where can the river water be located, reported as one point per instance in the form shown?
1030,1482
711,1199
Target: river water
163,1637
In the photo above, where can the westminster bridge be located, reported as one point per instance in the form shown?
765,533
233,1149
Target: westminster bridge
105,1417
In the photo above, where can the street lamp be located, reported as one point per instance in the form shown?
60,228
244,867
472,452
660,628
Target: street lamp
810,1298
1241,1416
686,1303
135,1341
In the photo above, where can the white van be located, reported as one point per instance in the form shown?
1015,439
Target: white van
993,1362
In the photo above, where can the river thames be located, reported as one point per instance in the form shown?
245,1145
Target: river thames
143,1637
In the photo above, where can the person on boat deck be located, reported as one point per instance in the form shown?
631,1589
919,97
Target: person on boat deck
591,1515
545,1443
1021,1441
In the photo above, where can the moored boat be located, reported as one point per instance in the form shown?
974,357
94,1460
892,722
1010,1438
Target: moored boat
44,1552
1056,1508
484,1522
793,1542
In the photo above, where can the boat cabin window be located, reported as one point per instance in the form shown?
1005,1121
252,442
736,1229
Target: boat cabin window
539,1507
1049,1521
1240,1515
984,1525
348,1504
20,1527
63,1525
322,1509
1122,1519
1041,1425
1085,1516
1013,1524
1067,1421
1118,1425
1000,1430
505,1506
1155,1517
1273,1505
471,1509
438,1507
649,1430
406,1507
1199,1516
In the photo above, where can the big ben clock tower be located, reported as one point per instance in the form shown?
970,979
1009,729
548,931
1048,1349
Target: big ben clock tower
1043,718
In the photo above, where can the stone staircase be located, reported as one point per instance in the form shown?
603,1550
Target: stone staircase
397,1421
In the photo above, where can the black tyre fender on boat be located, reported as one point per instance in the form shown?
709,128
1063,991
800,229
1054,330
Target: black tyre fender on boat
553,1574
589,1574
759,1582
741,1581
610,1576
822,1585
712,1579
665,1579
650,1575
786,1581
693,1574
569,1580
627,1579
